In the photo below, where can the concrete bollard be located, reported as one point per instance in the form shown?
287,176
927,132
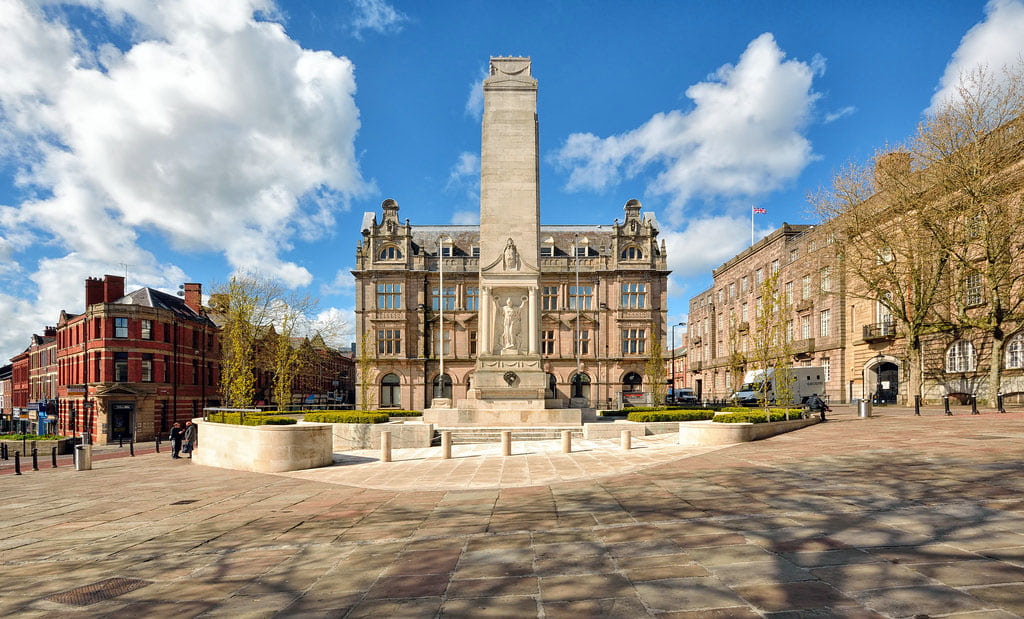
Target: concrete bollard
385,446
506,442
446,445
566,441
626,439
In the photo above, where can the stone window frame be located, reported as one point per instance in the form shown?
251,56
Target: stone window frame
634,341
1015,351
961,357
389,342
390,253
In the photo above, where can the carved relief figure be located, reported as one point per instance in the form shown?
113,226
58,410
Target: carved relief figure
510,325
510,257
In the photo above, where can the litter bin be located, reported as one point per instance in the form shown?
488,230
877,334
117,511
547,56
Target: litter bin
83,457
864,408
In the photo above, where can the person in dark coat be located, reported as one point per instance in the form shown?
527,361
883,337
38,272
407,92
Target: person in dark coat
176,435
817,405
189,438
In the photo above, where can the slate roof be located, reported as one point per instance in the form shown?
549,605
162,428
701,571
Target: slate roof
148,297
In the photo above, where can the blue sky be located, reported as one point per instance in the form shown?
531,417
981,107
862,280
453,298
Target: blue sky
187,139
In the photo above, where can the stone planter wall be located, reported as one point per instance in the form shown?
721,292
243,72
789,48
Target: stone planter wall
702,433
264,449
352,436
64,446
592,431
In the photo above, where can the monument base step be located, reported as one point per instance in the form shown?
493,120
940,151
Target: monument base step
465,436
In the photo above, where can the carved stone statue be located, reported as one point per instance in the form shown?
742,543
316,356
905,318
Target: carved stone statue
510,325
510,257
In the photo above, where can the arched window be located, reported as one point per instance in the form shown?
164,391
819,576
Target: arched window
960,357
632,383
443,387
632,253
390,253
580,386
552,387
1015,351
390,391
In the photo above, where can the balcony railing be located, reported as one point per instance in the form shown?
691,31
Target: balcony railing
879,331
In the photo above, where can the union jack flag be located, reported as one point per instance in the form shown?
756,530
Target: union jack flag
759,211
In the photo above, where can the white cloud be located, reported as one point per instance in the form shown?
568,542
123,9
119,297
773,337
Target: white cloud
742,137
466,218
464,177
343,283
475,100
376,15
995,42
831,117
705,244
338,326
214,130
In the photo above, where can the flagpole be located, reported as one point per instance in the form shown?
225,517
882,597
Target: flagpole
751,226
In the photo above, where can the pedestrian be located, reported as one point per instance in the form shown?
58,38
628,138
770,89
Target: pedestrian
189,438
816,404
176,435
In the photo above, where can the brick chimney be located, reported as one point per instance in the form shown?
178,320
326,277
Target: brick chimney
194,297
113,288
891,167
50,332
93,291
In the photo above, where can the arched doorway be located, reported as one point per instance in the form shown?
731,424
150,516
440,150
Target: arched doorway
390,391
632,383
882,381
551,391
442,388
581,386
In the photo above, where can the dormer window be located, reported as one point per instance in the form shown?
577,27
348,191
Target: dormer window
390,253
446,251
547,248
632,253
476,252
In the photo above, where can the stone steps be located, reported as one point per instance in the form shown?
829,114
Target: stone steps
466,435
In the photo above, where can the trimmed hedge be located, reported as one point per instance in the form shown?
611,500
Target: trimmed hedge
251,419
346,417
757,416
31,437
397,413
747,409
671,415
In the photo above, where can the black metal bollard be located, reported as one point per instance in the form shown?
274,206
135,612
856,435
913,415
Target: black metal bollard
917,405
131,447
999,401
53,458
945,403
974,405
3,451
17,463
35,459
158,443
120,442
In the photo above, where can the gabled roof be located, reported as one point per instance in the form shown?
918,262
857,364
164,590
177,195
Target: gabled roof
148,297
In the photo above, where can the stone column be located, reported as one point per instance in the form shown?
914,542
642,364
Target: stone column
533,322
485,321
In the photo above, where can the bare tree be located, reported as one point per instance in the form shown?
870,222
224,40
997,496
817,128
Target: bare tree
972,151
883,237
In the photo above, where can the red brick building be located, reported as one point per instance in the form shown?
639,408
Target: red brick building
132,365
19,382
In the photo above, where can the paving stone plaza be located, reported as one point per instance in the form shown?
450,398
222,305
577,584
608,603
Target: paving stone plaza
893,516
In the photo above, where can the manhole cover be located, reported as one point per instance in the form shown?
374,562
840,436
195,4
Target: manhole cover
98,591
185,502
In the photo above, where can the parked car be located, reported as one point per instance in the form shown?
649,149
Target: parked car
684,395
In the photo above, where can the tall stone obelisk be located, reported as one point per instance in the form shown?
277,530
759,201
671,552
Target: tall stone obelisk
509,372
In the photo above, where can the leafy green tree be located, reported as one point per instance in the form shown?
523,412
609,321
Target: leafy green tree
654,368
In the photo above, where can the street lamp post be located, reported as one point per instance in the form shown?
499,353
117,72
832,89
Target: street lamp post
681,324
577,387
878,378
441,299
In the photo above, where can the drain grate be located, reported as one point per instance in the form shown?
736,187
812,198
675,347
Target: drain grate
185,502
98,591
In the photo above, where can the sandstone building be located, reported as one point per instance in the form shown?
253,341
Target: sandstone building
566,311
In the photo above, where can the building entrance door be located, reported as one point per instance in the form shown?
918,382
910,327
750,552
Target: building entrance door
887,386
122,416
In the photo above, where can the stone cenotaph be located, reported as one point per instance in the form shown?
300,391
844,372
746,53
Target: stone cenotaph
509,381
